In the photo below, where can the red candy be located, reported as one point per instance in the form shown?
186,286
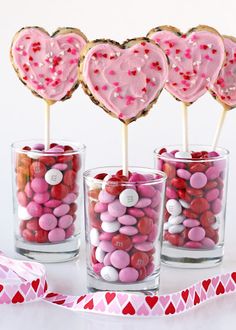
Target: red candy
145,225
178,183
59,191
139,260
114,189
199,205
37,169
121,242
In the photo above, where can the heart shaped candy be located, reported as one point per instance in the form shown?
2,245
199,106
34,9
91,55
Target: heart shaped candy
48,65
125,80
195,59
224,89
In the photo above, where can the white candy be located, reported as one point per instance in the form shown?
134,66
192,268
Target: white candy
176,220
53,176
184,204
109,273
129,197
183,154
175,229
99,254
33,155
216,225
107,177
23,214
94,237
166,225
110,227
173,207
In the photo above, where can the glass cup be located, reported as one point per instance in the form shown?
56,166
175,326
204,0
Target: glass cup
47,199
123,218
194,216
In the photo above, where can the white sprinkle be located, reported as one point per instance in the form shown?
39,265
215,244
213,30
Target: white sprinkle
51,53
41,64
146,55
117,54
153,79
232,88
21,47
77,45
62,53
208,79
55,74
194,44
190,41
31,76
174,65
93,58
142,100
209,45
28,63
50,66
50,60
52,43
197,62
116,94
178,58
138,69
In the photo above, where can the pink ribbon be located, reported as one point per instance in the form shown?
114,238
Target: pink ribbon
24,281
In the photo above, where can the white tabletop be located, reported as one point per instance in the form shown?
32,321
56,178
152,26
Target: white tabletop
70,278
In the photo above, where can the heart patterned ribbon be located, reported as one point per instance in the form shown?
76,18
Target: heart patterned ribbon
24,281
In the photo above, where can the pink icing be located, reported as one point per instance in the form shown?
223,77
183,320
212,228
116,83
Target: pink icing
225,85
127,80
195,62
48,65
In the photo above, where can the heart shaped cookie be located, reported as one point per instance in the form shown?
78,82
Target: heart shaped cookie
224,89
125,80
46,64
195,59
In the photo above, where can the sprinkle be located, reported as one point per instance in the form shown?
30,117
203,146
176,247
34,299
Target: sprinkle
173,65
144,89
214,51
77,45
104,87
138,68
31,76
153,79
96,71
116,94
203,47
146,51
112,72
117,54
96,88
146,56
142,100
21,46
178,58
116,83
209,45
208,79
62,53
52,43
207,57
41,64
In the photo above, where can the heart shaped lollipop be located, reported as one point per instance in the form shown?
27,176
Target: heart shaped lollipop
125,80
46,64
224,89
195,59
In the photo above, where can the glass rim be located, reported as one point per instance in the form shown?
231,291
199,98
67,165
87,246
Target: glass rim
80,147
87,175
174,146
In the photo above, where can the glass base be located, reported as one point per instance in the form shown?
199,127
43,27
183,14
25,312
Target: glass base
150,286
191,258
49,253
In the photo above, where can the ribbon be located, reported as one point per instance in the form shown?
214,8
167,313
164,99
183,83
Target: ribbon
25,281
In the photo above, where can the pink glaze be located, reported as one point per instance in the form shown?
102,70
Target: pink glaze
195,61
127,80
225,85
48,65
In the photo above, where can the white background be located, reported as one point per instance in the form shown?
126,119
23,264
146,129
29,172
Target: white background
80,120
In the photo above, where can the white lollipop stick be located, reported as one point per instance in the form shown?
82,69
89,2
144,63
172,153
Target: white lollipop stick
185,126
47,126
125,149
219,126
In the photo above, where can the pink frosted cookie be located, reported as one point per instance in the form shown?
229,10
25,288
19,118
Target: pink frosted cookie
224,89
195,59
46,64
125,80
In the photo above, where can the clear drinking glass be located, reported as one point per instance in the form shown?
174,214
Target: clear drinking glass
195,205
47,199
123,220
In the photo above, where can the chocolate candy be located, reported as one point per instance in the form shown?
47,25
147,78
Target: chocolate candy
124,218
194,194
47,192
